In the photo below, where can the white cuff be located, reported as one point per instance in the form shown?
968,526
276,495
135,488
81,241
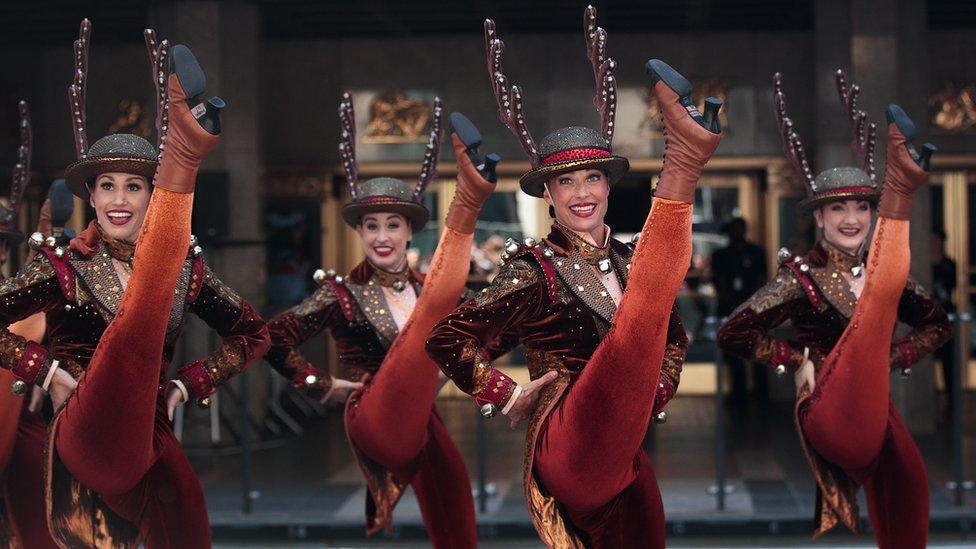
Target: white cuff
182,388
50,375
511,401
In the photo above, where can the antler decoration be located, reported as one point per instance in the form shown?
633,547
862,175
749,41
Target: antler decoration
428,172
509,99
21,175
864,133
791,140
78,88
158,52
605,99
347,142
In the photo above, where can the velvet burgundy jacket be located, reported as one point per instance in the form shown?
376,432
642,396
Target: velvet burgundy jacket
557,308
811,293
79,290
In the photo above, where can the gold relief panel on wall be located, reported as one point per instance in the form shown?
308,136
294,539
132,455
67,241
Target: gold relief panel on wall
396,117
652,127
953,108
131,117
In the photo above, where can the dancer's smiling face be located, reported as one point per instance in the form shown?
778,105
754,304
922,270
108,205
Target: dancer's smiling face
120,201
385,237
846,223
579,199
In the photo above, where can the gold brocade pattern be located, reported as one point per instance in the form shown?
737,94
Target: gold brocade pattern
513,277
835,288
836,490
674,359
553,527
76,516
99,279
322,298
591,254
38,270
388,279
383,490
583,282
482,371
226,362
785,287
841,259
372,302
223,291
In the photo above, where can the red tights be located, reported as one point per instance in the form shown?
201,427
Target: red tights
24,483
113,435
589,455
393,420
849,419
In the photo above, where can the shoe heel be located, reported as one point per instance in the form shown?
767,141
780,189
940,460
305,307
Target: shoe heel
187,69
662,72
710,118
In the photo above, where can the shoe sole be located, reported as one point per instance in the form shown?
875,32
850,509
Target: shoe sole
62,202
465,130
184,64
661,71
896,114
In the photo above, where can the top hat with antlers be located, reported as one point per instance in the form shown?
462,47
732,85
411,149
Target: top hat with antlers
566,149
835,184
121,152
386,194
21,177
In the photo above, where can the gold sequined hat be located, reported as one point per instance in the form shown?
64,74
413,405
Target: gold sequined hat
121,152
567,149
386,194
835,184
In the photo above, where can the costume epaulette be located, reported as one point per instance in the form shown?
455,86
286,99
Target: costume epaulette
801,270
542,254
337,282
58,256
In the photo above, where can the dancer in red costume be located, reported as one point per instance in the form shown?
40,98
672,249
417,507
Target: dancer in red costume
116,473
379,319
844,315
596,317
22,425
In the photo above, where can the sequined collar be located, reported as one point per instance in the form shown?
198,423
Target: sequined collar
118,249
591,254
397,281
842,260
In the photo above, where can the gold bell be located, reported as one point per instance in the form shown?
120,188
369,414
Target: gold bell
783,254
906,373
50,242
340,279
529,242
511,246
318,276
204,402
489,410
399,286
604,265
311,379
36,241
19,387
548,253
780,370
661,417
331,273
59,252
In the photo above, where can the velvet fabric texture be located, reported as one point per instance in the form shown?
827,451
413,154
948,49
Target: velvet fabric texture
849,419
23,484
136,465
389,420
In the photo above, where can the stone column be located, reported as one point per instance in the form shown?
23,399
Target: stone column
890,64
226,38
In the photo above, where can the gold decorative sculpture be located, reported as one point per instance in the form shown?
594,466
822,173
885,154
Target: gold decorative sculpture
131,118
954,108
396,118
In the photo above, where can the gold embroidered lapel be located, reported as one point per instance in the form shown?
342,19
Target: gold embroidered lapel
372,302
835,288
